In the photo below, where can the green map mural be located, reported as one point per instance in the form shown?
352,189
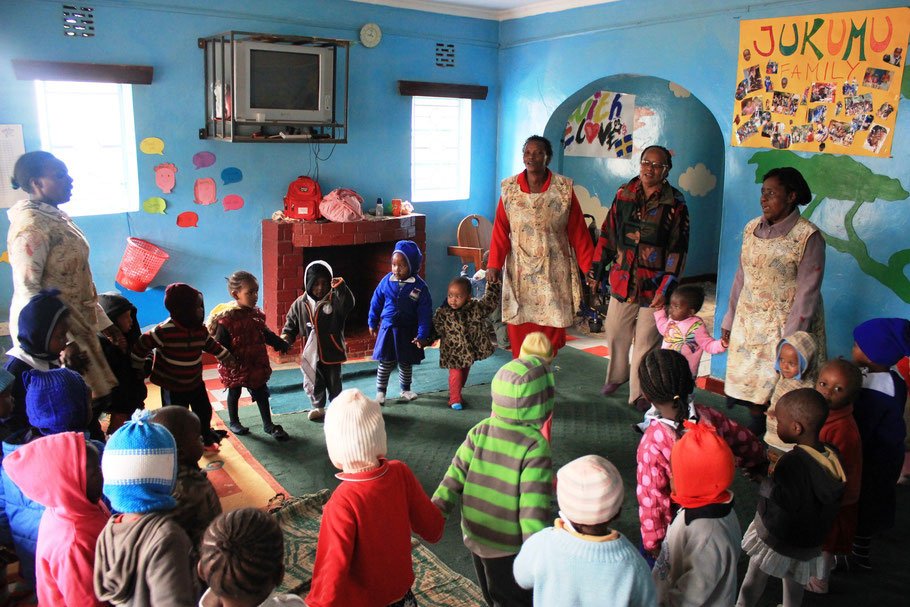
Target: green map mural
843,178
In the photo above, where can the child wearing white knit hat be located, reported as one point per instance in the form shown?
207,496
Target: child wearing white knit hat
363,556
559,562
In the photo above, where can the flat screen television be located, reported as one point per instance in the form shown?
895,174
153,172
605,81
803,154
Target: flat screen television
283,83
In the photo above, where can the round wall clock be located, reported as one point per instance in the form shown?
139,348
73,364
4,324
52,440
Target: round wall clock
370,35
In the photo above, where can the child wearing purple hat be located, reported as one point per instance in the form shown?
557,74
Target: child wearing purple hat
878,345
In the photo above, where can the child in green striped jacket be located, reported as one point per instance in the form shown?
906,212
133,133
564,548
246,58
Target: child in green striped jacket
504,474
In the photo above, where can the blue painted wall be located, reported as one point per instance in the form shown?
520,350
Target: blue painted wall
545,59
375,162
676,120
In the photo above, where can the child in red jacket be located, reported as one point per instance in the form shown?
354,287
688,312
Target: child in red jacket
241,329
839,381
363,557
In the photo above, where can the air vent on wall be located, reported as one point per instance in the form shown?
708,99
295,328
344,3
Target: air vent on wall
445,55
78,21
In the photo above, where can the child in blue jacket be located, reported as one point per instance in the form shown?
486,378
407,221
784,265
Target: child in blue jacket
401,317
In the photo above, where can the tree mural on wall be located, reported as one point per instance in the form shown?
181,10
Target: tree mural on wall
843,178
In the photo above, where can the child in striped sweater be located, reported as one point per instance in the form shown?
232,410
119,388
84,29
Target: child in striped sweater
178,344
504,460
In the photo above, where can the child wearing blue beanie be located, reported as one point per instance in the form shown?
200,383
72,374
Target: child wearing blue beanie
878,345
142,557
43,324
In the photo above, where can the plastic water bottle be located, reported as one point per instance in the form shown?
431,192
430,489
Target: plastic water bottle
379,207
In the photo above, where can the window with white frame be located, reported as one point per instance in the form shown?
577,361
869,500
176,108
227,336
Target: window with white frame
440,149
89,126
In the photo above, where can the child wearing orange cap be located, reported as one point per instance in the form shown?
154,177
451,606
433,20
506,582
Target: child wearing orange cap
697,562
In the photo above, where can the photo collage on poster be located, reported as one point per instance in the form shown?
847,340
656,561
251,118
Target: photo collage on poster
838,103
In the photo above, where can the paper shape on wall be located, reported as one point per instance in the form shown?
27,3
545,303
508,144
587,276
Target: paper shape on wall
154,205
697,180
165,177
231,175
815,81
4,257
232,202
203,159
205,191
601,127
151,145
188,219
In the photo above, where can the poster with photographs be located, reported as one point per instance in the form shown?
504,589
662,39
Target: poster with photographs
821,83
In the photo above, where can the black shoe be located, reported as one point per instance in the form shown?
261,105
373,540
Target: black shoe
859,563
278,433
238,428
220,434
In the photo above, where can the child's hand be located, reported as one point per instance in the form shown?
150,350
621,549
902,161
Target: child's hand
74,358
464,269
372,331
114,334
420,343
337,281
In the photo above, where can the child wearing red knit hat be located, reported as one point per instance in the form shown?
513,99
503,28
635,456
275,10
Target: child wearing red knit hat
697,562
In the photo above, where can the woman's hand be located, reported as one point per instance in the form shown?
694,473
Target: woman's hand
659,301
116,336
725,338
492,275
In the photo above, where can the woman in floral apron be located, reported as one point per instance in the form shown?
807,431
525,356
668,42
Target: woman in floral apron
46,249
540,241
776,292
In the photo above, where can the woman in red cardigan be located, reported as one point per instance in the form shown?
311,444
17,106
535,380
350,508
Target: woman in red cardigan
540,242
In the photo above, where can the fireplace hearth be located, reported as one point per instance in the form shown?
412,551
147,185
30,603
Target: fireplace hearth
358,251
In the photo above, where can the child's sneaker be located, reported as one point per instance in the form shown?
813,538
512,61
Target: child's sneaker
457,406
407,396
380,398
314,415
238,428
277,433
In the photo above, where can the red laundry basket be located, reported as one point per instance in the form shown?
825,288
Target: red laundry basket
141,262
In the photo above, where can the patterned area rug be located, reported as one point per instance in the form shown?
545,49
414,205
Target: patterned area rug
436,584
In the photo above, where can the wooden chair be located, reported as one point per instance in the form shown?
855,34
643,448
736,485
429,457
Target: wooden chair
473,236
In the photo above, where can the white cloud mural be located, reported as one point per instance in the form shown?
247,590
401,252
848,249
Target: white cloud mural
679,91
698,180
590,204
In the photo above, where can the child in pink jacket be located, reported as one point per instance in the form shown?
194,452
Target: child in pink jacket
63,473
667,384
682,330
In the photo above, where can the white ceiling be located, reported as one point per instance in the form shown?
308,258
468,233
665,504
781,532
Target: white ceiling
488,9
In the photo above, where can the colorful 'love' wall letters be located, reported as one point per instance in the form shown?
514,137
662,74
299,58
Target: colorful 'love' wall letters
821,83
601,126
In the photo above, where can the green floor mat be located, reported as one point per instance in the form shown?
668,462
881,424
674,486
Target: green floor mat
288,395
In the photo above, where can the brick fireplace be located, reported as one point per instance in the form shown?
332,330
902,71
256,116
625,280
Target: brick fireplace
358,251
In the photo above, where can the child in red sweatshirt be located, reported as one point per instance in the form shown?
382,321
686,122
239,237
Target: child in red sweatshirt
63,473
363,557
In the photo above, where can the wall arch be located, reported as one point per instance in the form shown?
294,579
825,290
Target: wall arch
666,114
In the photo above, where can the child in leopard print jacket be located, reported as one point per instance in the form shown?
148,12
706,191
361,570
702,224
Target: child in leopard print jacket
461,324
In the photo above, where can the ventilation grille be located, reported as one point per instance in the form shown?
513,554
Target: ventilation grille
78,21
445,55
